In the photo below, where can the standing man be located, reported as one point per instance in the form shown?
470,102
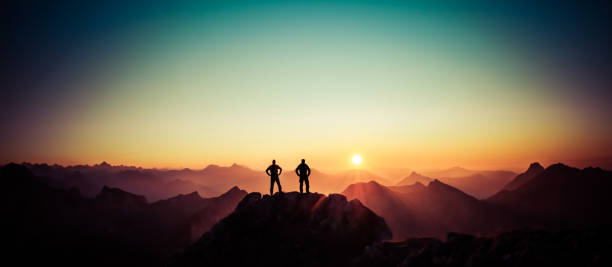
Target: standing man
274,171
303,171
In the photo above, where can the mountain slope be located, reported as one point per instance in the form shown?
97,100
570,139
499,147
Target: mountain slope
481,184
151,183
400,216
562,196
413,178
60,226
534,170
288,229
516,248
433,210
451,172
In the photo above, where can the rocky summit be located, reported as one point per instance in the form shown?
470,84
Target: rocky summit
289,229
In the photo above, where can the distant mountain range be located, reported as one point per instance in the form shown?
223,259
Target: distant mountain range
45,223
314,230
115,226
559,196
413,178
432,210
151,183
534,170
156,184
479,184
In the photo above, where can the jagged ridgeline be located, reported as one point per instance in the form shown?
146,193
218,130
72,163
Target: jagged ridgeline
53,225
288,229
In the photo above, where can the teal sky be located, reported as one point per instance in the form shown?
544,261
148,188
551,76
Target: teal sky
402,84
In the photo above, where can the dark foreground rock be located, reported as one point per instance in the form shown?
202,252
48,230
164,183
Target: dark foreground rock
43,225
517,248
288,229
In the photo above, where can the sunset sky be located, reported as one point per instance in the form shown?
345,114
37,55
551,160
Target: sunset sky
416,85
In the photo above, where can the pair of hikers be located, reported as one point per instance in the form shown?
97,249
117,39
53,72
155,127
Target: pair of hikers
274,171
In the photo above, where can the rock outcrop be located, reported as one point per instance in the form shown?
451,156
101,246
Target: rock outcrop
534,170
290,229
517,248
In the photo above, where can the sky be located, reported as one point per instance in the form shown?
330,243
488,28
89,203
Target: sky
413,84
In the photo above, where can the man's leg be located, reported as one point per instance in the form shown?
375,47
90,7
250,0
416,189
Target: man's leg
280,190
271,186
301,182
307,185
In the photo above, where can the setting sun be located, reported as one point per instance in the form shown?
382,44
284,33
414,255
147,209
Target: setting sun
357,159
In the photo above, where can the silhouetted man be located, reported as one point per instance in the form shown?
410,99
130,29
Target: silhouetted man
303,171
274,171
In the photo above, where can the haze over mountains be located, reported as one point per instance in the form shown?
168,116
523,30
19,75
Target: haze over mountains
432,210
561,196
309,230
212,180
557,197
156,184
289,229
49,216
413,178
480,184
114,228
534,170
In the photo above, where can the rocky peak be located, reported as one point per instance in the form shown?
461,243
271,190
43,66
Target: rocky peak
321,229
234,191
211,167
535,167
236,166
104,164
534,170
415,174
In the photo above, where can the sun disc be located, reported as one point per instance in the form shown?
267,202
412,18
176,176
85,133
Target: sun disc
357,159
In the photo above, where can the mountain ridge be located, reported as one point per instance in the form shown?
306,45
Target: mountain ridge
413,178
294,229
534,170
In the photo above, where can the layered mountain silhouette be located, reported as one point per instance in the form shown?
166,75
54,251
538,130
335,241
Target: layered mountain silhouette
48,221
561,196
432,210
394,174
557,197
290,229
116,227
215,177
480,184
151,183
283,230
156,184
450,172
413,178
334,183
400,216
534,170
